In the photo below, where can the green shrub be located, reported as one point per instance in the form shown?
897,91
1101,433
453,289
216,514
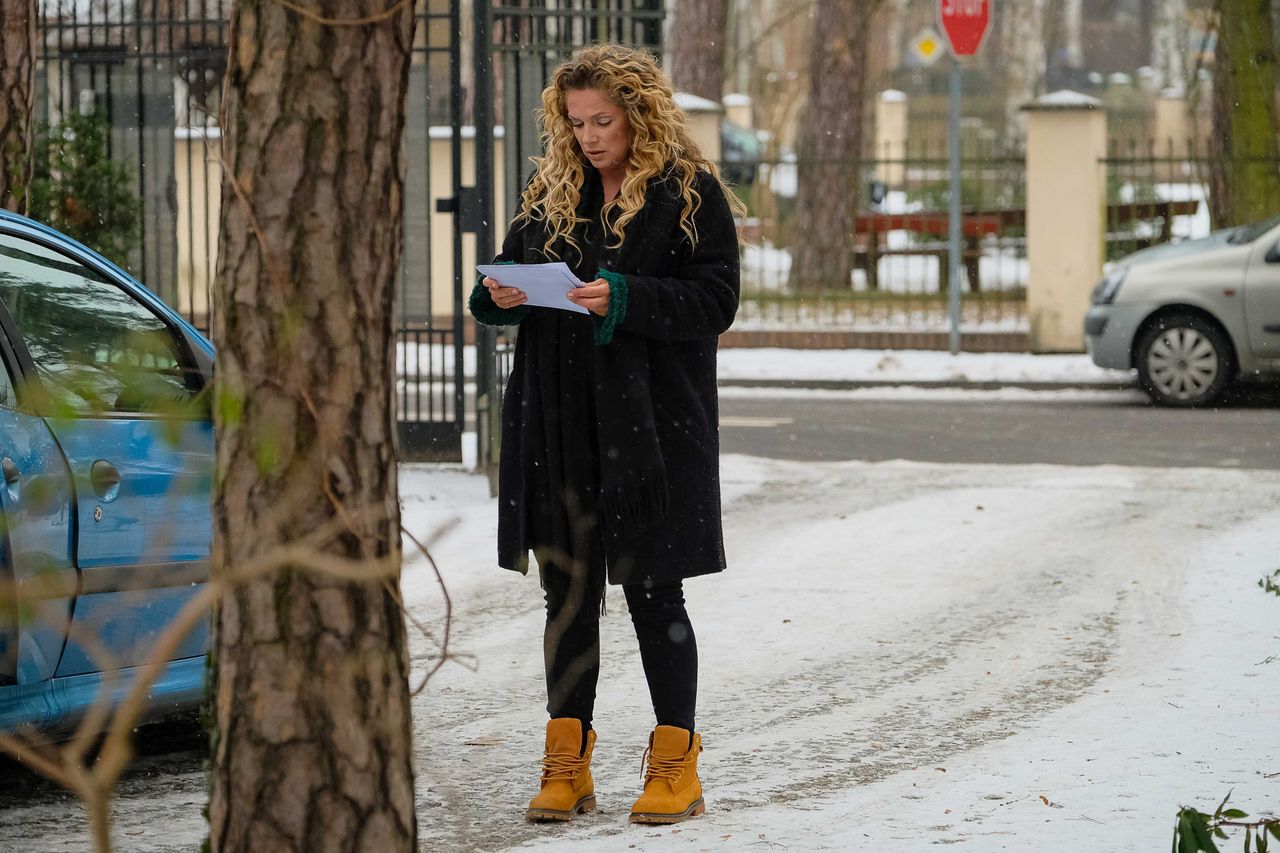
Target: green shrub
78,190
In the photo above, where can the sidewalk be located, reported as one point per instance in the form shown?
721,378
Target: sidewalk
851,369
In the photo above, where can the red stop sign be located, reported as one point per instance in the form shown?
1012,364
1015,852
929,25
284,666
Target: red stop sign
965,22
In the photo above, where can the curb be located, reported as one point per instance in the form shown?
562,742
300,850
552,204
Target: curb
959,384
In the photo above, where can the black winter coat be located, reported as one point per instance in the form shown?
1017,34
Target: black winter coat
669,298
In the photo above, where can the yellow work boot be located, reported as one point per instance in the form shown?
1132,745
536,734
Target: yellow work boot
567,788
672,792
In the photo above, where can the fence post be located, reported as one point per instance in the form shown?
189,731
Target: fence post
1066,221
891,137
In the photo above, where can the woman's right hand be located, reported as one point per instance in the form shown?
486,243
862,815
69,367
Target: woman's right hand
504,297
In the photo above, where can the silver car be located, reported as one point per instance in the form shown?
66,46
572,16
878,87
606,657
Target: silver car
1192,317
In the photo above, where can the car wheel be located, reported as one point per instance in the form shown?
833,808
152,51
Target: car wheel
1184,360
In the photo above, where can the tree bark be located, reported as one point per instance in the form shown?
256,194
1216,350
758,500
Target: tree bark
1073,32
698,37
1244,186
829,147
312,750
17,101
1169,43
1022,38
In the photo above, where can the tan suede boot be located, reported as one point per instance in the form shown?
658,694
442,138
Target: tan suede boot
567,787
672,792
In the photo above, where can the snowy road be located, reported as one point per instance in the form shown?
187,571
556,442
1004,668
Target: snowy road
900,654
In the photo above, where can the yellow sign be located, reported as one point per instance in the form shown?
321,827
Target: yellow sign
927,46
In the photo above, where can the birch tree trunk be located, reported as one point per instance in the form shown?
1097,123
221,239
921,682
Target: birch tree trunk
698,37
17,101
312,750
1244,186
829,147
1025,62
1073,32
1169,41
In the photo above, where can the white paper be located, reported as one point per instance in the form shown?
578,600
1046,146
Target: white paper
545,285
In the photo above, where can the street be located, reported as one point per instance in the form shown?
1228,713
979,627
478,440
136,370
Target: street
1063,428
974,645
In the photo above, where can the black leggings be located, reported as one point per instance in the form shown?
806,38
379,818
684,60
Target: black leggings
571,649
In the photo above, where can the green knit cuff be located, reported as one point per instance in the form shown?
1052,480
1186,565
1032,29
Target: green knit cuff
483,309
617,307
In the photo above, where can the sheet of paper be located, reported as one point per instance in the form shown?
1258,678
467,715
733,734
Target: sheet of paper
544,284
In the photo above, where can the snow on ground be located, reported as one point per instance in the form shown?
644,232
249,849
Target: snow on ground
907,366
857,365
766,267
900,654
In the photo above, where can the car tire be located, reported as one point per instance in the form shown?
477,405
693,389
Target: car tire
1184,361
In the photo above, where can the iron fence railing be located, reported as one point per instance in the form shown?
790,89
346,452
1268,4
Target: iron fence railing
898,276
1162,191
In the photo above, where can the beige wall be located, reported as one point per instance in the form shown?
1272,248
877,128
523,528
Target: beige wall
199,186
199,208
1066,222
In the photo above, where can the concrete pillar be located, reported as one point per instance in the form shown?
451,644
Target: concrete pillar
891,137
737,109
704,123
1066,215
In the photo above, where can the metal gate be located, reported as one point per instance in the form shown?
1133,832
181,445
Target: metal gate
430,339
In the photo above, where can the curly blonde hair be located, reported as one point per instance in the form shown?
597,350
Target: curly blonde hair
661,144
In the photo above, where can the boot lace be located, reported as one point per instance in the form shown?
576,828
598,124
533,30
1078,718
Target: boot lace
560,765
667,768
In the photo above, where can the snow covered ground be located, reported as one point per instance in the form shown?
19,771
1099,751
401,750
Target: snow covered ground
905,366
902,654
913,366
997,657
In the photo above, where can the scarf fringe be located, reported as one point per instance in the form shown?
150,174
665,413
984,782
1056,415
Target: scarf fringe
633,507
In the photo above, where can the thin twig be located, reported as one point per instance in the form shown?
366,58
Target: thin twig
343,22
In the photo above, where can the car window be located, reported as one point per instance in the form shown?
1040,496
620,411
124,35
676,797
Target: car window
7,396
1249,233
95,347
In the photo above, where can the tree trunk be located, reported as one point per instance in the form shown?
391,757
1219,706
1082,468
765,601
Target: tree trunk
1022,38
1169,43
17,101
1244,186
1073,33
313,743
829,147
698,37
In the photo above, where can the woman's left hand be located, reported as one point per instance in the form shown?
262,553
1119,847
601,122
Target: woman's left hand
594,296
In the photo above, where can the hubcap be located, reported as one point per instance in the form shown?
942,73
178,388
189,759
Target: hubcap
1183,363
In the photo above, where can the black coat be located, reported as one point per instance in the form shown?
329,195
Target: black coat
669,299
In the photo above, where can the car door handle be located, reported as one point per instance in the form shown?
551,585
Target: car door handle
1274,328
105,479
12,474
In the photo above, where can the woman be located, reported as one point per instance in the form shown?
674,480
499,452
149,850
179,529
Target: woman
609,466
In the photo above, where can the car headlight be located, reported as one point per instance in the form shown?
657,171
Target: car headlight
1105,292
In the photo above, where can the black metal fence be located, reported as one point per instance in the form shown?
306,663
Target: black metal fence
152,72
899,276
1163,191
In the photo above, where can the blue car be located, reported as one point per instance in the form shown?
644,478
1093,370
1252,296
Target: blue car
106,445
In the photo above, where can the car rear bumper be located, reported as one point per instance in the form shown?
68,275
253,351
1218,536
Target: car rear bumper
1109,331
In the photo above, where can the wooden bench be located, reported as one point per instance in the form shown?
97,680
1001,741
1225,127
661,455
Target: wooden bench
977,224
